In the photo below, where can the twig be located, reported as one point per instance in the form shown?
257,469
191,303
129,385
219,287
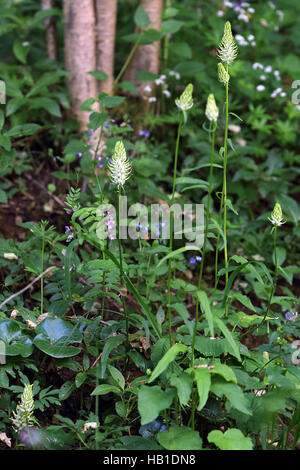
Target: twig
41,186
27,287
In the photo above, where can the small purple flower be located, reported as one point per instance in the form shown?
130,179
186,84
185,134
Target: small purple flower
146,133
68,212
106,126
79,154
288,316
198,258
141,133
192,260
99,158
67,229
139,226
101,165
90,133
113,121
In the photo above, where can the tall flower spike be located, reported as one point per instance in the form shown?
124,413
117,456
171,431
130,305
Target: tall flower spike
223,75
227,50
212,111
23,416
119,167
185,101
276,216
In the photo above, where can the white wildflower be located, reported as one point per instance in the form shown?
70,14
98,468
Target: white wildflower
268,69
185,101
119,167
257,65
10,256
227,50
212,111
23,416
276,216
260,87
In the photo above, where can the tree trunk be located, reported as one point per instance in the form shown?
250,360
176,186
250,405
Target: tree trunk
80,55
51,36
146,57
106,15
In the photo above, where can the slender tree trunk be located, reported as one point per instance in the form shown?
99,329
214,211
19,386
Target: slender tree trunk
51,36
106,15
80,55
146,57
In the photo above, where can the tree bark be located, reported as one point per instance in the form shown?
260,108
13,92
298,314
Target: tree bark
106,15
51,36
146,57
80,55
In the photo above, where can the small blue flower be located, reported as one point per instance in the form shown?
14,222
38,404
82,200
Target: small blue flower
101,165
106,126
99,158
288,316
146,133
90,133
79,154
141,133
67,228
192,260
198,258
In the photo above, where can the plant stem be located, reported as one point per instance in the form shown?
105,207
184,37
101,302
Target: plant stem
135,46
171,228
121,270
205,240
225,194
42,279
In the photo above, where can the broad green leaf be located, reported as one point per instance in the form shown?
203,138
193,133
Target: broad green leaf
117,376
152,400
221,325
167,359
180,438
23,129
243,299
232,439
203,381
204,302
183,384
233,393
110,344
225,371
141,17
104,389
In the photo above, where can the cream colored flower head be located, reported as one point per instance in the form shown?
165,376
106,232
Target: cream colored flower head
23,416
119,168
276,216
227,50
212,111
185,101
223,75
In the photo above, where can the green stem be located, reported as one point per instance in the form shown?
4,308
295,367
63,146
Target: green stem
171,228
121,270
135,46
225,194
205,241
42,279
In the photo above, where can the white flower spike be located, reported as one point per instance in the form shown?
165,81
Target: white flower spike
212,111
185,101
276,216
119,167
23,416
227,50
